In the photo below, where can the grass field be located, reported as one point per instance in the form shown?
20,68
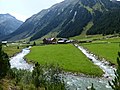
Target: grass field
67,56
86,37
113,40
105,50
12,49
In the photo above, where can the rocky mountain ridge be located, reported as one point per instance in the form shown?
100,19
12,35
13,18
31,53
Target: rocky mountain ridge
65,19
8,24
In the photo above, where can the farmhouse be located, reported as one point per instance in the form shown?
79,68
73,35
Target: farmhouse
4,42
62,41
49,41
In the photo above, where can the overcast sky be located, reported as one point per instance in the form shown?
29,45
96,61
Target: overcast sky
23,9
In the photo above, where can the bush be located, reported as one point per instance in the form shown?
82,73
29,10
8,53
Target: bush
48,77
42,77
17,47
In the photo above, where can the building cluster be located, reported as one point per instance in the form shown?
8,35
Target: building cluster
55,41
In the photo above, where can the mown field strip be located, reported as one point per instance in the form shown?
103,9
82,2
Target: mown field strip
67,56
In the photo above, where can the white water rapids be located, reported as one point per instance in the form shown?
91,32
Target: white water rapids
72,82
19,62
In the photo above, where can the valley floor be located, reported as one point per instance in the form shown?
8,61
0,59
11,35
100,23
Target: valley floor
66,56
71,59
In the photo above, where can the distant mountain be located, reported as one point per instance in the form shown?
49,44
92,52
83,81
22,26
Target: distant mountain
66,19
8,24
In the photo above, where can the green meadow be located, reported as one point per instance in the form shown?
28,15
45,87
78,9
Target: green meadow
11,50
66,56
113,40
105,50
87,37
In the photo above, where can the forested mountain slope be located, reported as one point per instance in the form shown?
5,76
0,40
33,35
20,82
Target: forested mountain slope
68,19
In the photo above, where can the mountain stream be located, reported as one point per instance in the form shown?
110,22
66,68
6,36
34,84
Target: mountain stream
73,82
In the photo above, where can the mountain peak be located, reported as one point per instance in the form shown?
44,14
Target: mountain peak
8,24
7,15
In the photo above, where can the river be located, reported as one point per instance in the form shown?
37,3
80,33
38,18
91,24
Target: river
18,60
72,82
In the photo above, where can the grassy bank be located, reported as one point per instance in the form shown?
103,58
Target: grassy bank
67,56
104,50
86,37
11,49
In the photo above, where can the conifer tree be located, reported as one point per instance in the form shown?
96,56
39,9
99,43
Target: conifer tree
115,84
35,75
4,63
34,44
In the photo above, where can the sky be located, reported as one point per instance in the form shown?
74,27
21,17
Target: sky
23,9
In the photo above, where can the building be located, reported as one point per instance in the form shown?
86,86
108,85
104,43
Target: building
4,42
62,41
49,41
